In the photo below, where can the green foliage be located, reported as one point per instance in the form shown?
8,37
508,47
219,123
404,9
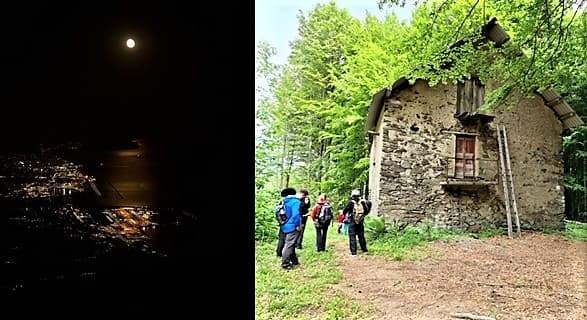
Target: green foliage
311,117
376,228
265,223
575,154
490,232
408,242
305,292
576,231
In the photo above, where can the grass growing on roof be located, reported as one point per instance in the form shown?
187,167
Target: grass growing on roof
306,292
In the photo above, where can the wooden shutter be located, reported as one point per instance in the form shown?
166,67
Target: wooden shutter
464,97
479,94
470,95
460,97
465,157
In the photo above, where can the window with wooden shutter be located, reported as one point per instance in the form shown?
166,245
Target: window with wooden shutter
470,96
465,157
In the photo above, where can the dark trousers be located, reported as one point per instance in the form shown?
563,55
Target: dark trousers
288,256
357,231
301,236
321,233
280,243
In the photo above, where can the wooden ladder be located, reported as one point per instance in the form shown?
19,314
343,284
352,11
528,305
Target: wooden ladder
507,180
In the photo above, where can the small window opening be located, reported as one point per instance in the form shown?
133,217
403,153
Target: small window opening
470,95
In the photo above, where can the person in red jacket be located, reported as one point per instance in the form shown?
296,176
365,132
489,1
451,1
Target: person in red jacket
343,225
322,216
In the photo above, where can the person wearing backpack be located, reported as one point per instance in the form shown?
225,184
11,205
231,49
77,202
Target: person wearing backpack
290,227
355,212
281,218
343,224
304,209
322,216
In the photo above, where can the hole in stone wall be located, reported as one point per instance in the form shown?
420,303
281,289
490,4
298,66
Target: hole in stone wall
418,116
414,128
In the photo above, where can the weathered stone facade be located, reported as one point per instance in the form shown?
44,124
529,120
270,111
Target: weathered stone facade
412,154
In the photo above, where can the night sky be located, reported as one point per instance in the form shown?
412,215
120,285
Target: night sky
66,71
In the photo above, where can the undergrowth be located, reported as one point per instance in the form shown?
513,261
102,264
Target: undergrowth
576,231
408,242
306,292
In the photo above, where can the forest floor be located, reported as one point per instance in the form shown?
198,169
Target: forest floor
537,276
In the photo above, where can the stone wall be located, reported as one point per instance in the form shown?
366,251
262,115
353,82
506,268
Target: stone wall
534,137
417,134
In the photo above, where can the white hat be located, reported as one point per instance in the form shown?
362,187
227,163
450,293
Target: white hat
356,193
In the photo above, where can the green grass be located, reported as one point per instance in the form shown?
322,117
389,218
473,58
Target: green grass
305,292
572,230
576,231
410,243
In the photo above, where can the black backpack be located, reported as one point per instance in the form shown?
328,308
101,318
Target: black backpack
325,214
368,205
280,214
361,208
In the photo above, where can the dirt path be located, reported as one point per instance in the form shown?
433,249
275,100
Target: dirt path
536,277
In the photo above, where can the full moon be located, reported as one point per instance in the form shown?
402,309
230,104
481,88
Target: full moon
130,43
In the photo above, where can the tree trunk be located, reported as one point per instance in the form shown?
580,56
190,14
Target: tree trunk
321,165
283,154
288,172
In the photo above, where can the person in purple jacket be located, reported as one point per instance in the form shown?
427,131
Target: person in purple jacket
291,228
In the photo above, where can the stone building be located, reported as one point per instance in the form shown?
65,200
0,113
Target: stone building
434,156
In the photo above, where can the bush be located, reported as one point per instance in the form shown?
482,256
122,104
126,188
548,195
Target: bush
265,223
376,228
576,231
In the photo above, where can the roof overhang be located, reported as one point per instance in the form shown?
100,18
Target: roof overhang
375,109
378,101
567,116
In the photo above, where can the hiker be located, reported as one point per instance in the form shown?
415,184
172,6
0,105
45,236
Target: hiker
304,211
355,212
281,220
290,221
322,216
343,224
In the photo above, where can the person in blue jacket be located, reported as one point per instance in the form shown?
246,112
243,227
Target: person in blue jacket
291,228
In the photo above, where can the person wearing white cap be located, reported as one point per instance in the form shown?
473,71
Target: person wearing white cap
355,212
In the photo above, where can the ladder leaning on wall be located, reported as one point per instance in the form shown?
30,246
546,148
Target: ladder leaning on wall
507,180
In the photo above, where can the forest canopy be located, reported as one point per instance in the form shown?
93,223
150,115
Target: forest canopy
312,110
